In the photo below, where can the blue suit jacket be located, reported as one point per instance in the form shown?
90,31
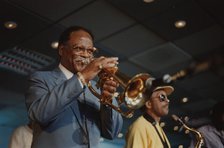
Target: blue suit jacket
65,114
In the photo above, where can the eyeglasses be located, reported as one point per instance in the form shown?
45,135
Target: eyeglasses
162,98
79,49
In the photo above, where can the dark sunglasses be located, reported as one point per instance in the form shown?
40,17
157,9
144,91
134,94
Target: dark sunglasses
162,98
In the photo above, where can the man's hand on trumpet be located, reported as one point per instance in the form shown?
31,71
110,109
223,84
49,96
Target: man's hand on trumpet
93,68
108,89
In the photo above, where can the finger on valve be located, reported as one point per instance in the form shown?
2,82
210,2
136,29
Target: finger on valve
106,97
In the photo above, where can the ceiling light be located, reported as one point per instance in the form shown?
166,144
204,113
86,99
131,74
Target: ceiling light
186,118
184,100
10,25
54,45
148,1
180,146
176,128
180,24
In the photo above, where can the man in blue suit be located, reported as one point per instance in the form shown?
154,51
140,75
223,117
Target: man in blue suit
65,112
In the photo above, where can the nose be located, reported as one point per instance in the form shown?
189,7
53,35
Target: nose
167,100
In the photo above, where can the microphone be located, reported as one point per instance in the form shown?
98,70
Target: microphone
170,78
167,78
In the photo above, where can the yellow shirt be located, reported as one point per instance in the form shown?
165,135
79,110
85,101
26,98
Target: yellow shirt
142,134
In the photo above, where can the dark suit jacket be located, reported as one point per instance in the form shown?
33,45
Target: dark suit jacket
65,114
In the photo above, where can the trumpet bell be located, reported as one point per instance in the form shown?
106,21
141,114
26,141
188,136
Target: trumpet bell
135,97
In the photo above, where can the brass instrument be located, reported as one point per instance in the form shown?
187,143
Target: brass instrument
198,135
133,96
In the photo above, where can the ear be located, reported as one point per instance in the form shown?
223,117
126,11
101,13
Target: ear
60,48
148,104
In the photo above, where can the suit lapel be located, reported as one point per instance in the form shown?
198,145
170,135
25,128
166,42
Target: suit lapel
58,75
59,78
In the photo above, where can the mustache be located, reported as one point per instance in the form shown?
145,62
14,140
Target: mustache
82,60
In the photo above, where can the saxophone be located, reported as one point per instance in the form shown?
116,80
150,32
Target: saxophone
199,136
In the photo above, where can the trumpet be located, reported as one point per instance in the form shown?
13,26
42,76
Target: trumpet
133,97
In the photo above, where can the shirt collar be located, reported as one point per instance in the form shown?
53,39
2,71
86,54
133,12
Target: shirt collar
149,118
68,74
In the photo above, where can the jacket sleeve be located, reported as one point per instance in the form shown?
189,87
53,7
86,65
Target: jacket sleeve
111,121
47,97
